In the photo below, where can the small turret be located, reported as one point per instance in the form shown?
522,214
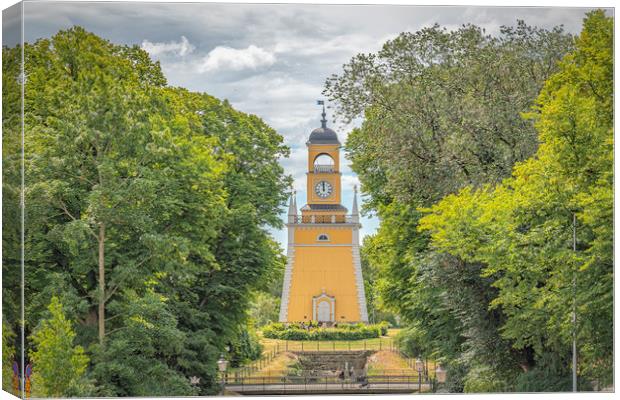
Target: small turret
354,211
292,208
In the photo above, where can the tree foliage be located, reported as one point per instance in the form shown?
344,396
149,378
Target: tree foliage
11,211
59,365
442,108
522,230
8,356
475,152
148,213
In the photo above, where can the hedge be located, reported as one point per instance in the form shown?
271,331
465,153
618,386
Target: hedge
294,331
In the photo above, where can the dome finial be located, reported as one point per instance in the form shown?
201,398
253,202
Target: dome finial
323,120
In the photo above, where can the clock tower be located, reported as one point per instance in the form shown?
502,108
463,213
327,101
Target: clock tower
323,277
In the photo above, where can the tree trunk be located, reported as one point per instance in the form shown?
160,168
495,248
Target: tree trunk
101,282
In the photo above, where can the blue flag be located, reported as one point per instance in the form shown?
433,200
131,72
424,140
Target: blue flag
320,102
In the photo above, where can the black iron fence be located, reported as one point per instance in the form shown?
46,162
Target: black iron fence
289,384
271,351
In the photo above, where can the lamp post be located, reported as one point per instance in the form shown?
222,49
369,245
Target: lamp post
419,365
222,363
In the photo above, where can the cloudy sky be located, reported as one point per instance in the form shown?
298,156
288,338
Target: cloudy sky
268,59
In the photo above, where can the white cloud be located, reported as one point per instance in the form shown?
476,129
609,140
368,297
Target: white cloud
344,44
348,181
182,48
296,165
222,57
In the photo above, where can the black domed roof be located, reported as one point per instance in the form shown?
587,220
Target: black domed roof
323,135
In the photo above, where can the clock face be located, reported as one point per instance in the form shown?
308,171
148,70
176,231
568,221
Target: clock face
323,189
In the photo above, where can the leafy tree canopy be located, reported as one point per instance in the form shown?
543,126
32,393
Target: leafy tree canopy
522,230
474,249
148,212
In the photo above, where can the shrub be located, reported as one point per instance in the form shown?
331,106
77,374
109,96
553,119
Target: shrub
485,379
294,331
409,341
245,347
384,326
59,364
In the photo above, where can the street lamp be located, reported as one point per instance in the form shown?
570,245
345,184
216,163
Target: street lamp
222,363
419,365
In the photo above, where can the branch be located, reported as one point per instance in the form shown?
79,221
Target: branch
114,316
66,211
114,330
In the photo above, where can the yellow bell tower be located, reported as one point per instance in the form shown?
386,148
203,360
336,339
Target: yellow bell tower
323,278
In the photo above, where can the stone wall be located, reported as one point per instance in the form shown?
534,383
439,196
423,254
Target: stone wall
330,363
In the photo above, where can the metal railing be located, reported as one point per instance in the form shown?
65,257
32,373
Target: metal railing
330,384
321,219
252,379
271,350
318,168
371,372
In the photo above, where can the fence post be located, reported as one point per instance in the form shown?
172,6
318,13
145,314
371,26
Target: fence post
287,345
364,344
349,345
379,344
317,345
333,345
302,345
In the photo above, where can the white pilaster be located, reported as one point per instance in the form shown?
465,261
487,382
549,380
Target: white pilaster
359,279
288,274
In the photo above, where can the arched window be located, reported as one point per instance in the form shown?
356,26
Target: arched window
323,238
323,163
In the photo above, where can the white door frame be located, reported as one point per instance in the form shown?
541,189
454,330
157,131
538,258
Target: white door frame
331,300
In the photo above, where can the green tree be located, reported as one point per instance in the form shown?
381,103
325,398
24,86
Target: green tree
443,110
265,309
8,357
522,230
58,365
11,210
95,158
144,200
139,360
